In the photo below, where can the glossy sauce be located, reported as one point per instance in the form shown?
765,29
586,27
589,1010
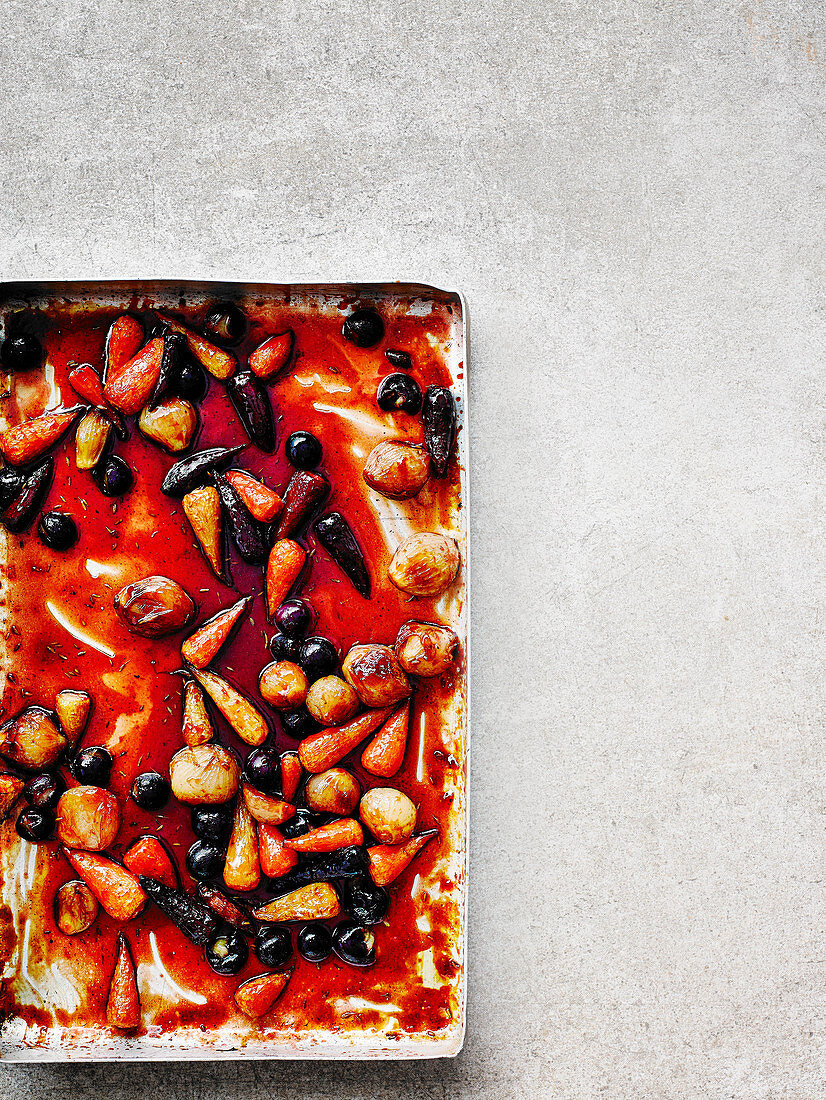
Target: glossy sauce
330,391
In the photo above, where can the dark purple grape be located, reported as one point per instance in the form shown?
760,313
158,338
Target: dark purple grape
354,944
113,476
273,945
399,392
318,657
204,860
303,450
399,359
21,352
35,825
364,328
226,322
190,380
284,648
315,942
294,617
43,791
227,953
213,823
93,766
57,531
150,790
298,723
263,769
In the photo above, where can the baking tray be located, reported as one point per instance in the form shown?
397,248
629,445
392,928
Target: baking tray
23,1043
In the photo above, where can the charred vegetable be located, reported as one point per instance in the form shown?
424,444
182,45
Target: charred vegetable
249,536
11,482
196,469
343,863
194,918
336,536
173,349
304,495
439,420
225,908
399,359
363,901
29,499
252,403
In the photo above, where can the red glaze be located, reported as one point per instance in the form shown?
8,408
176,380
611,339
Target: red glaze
138,695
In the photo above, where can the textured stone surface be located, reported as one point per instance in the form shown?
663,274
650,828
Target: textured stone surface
632,196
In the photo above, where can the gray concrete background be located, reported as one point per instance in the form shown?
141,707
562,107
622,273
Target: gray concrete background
633,197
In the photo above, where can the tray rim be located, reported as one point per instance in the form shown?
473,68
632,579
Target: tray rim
409,1047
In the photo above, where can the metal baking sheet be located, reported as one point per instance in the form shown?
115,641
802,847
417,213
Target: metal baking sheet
19,862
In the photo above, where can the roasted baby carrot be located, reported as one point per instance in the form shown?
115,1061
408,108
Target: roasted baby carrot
207,641
321,750
116,888
290,774
122,343
284,565
273,355
256,996
130,386
220,364
197,726
245,719
202,508
387,861
275,858
318,901
25,442
149,856
260,501
242,870
343,833
385,753
123,1009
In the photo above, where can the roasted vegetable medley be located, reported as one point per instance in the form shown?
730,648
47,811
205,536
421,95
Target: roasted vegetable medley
270,807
